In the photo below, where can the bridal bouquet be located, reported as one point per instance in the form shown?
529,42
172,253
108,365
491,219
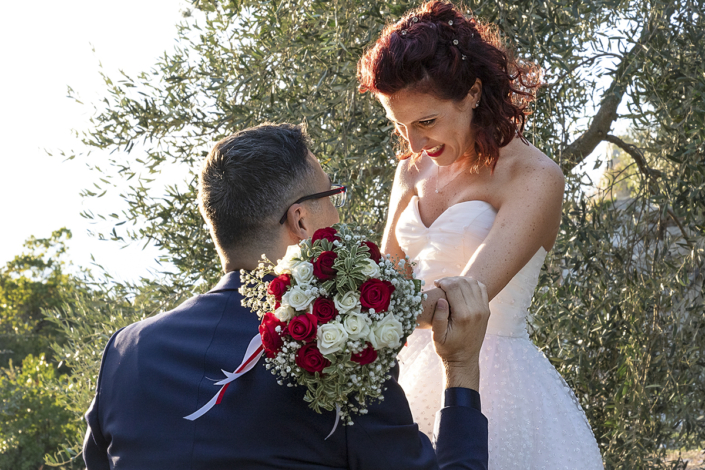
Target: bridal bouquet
334,317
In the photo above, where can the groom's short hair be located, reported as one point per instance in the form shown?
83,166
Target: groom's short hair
248,180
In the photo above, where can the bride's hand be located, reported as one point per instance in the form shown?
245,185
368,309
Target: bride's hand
429,305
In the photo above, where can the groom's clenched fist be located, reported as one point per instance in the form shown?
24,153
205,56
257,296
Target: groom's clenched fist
459,327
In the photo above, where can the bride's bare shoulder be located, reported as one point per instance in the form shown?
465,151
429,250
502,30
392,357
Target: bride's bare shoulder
521,165
409,173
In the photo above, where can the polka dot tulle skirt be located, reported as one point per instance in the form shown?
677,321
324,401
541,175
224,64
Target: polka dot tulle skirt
535,420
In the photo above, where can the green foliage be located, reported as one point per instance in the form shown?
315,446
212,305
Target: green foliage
620,316
620,308
32,419
621,313
31,282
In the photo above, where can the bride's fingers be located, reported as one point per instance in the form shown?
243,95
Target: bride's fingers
440,321
425,320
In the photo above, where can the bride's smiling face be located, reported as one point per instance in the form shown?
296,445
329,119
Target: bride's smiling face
440,127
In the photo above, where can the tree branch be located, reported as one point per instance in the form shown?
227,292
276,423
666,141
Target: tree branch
575,152
636,154
650,173
680,227
589,60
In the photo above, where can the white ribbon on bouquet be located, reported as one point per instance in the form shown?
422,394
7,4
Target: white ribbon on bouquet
252,355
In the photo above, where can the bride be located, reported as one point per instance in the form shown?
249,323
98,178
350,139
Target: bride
472,197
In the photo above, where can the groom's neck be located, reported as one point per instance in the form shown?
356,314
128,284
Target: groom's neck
249,257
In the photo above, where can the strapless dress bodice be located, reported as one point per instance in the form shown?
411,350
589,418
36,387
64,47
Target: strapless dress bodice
446,247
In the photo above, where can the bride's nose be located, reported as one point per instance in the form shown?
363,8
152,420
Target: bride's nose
416,140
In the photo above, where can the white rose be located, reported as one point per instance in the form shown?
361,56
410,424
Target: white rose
331,338
346,302
297,298
370,268
357,326
285,313
302,272
386,333
284,264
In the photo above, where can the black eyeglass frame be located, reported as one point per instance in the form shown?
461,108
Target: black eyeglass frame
331,192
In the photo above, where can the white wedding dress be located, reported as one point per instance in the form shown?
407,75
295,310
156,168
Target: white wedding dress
535,420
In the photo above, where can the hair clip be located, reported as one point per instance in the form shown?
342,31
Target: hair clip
464,56
455,42
450,22
415,19
472,35
403,32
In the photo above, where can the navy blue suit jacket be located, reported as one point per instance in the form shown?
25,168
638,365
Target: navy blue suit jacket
159,370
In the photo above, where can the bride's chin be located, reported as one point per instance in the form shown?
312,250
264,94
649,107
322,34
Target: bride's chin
443,162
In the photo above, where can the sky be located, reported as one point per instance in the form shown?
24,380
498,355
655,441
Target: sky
46,46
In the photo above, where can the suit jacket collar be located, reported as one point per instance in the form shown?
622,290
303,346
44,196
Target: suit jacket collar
230,281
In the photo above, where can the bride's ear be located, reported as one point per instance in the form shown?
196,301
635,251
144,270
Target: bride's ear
474,93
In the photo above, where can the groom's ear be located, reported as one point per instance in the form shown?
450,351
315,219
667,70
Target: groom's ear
299,221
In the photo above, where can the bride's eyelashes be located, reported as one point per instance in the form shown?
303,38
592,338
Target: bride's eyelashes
427,123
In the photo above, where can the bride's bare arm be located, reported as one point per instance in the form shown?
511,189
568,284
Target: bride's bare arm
402,191
528,218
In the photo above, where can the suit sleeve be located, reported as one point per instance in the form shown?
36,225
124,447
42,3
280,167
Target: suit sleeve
95,445
461,431
387,438
95,449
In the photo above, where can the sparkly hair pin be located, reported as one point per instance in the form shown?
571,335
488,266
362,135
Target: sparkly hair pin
455,42
403,32
414,19
450,22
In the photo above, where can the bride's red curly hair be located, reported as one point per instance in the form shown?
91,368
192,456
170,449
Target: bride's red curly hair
419,52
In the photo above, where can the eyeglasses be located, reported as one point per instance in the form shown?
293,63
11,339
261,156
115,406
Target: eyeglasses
337,193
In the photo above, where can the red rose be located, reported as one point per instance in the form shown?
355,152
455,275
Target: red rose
323,266
303,327
278,286
271,339
365,356
375,255
376,294
324,309
310,359
328,233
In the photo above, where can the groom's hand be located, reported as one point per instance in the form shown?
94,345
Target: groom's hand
459,327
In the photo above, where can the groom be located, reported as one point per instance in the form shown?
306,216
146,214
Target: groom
261,190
